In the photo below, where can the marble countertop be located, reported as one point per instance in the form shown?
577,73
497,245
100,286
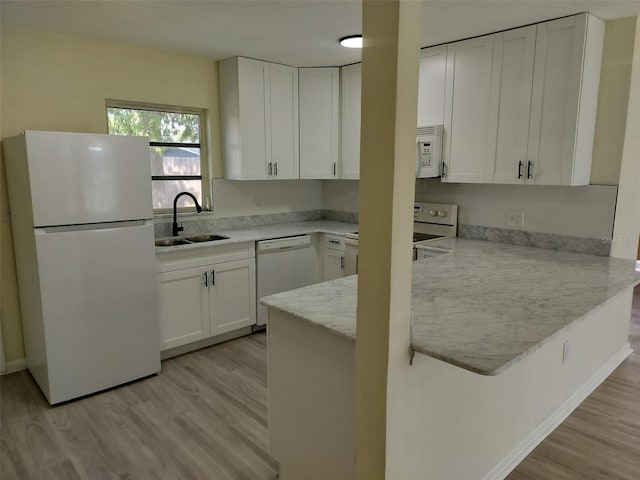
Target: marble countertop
263,232
480,305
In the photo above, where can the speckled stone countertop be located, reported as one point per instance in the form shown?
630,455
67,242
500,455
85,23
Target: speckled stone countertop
263,232
480,305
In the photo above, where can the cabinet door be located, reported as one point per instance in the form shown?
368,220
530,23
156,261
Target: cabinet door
232,295
431,86
253,104
511,80
332,264
183,307
284,121
468,92
350,89
554,104
319,116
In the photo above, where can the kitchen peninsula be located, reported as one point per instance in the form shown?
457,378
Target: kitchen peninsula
506,341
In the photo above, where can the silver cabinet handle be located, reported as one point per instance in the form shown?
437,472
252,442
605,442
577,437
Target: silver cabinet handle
342,262
444,169
206,280
520,165
270,169
213,278
529,165
275,168
334,169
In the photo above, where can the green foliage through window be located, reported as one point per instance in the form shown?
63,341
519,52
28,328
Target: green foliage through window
174,141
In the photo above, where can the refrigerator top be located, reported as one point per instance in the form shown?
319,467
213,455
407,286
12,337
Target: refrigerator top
78,178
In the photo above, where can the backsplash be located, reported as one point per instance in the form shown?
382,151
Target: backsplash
210,223
575,219
583,212
591,246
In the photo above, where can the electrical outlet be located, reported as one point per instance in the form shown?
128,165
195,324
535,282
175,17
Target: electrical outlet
515,219
565,351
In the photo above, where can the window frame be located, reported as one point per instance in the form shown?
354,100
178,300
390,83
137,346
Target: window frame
204,176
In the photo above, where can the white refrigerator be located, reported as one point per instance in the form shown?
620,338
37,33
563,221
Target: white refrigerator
81,215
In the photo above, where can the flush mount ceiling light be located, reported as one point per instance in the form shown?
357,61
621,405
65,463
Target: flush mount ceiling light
352,41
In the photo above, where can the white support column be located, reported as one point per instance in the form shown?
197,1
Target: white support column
627,221
392,37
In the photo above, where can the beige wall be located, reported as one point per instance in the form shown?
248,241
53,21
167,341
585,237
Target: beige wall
627,224
613,99
58,82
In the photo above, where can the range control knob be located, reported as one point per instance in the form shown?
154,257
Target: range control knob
433,213
442,213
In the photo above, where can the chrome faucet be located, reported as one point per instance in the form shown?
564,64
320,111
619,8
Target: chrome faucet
177,229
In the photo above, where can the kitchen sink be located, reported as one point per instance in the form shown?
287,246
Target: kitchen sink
170,242
206,238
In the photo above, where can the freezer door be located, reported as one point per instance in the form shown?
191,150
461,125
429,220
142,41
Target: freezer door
99,307
88,178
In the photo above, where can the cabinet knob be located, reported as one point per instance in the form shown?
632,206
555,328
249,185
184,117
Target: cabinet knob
432,213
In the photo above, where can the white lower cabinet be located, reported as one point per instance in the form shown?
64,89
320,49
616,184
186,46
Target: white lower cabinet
205,294
232,295
184,307
332,257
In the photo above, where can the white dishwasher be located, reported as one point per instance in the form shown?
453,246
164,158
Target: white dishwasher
282,264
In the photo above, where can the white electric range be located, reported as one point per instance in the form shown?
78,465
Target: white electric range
431,222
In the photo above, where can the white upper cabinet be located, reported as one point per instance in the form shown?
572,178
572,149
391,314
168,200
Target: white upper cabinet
566,76
259,116
319,94
284,121
350,91
431,86
466,111
511,80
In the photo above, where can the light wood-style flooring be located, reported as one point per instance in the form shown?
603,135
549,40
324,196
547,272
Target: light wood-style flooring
205,417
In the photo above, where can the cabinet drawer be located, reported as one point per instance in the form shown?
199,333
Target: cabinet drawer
203,255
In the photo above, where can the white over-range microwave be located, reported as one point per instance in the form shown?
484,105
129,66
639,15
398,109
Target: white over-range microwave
429,151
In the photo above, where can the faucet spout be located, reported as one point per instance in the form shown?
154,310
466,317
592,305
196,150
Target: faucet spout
177,229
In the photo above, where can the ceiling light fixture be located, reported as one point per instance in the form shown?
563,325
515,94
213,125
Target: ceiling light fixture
352,41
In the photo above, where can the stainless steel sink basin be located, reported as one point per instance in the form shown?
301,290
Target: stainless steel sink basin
206,238
170,242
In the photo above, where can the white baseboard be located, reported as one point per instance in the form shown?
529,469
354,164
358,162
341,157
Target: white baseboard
15,366
531,441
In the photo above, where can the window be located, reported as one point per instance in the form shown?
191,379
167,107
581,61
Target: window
175,140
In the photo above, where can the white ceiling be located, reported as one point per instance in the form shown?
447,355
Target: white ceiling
294,32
